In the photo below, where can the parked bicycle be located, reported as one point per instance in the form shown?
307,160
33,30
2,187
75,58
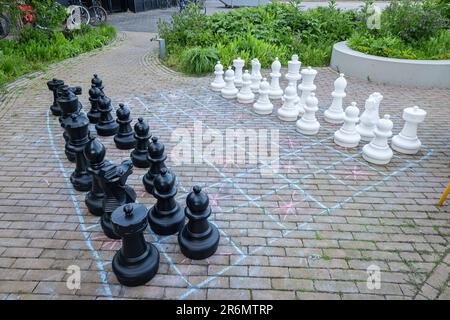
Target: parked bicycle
94,14
200,3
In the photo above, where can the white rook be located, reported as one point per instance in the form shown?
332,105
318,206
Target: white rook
407,141
238,65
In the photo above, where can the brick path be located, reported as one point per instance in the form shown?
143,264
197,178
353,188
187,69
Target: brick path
308,232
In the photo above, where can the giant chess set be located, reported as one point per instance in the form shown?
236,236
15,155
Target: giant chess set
122,217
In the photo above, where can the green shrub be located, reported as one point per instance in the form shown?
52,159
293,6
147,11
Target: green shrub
37,48
198,60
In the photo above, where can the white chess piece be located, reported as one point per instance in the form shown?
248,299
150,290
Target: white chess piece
407,141
378,151
378,97
307,86
335,113
263,105
293,74
218,83
229,91
347,136
256,75
246,95
308,123
368,120
288,111
238,66
275,92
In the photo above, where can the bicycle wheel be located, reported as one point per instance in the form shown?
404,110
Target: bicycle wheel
98,15
4,26
84,15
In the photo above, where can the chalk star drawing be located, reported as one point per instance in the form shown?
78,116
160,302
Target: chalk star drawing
356,173
291,167
289,208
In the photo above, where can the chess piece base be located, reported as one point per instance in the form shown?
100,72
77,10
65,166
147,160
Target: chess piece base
82,182
197,249
376,155
217,87
139,159
230,94
346,141
167,222
308,129
333,117
131,273
262,109
246,100
276,95
404,145
125,142
107,130
107,227
55,110
287,116
94,117
94,203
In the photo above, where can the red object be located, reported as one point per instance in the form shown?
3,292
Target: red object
27,12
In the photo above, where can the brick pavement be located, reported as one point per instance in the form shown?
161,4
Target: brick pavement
308,232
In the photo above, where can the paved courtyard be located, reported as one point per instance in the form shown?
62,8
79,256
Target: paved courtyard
308,231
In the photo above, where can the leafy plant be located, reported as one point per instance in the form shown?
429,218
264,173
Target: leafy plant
199,60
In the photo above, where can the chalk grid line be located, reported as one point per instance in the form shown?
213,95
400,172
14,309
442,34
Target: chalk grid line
225,179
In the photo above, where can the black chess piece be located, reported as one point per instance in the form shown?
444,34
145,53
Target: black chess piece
156,157
77,127
137,261
166,216
124,139
97,82
142,136
106,125
94,151
198,239
54,85
113,179
69,104
94,113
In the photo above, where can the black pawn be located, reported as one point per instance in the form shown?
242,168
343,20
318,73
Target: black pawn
69,105
77,127
94,113
166,216
142,136
199,239
113,179
156,156
137,261
94,152
97,82
106,125
54,86
124,139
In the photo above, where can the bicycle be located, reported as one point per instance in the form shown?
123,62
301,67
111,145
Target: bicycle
4,26
97,12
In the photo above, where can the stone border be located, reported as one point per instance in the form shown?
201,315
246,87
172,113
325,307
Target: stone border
405,72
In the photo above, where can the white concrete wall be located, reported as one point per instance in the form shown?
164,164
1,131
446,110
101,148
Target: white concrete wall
406,72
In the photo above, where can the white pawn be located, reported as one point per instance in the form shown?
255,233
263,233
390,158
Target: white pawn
378,151
229,91
293,74
246,95
275,92
308,124
347,136
307,86
218,84
263,105
335,113
238,66
368,120
407,141
256,75
288,111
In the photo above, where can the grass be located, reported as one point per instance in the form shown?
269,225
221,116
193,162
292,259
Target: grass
36,49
